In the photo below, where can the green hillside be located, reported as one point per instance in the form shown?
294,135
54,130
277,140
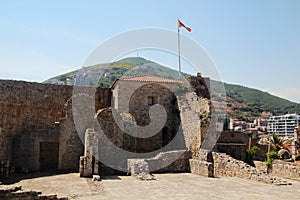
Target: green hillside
242,102
105,74
256,101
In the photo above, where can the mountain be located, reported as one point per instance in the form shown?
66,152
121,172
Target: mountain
242,102
109,72
246,103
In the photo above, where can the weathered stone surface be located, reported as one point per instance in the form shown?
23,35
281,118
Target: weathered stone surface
285,169
225,165
194,117
138,166
34,113
170,161
16,193
203,165
281,168
89,163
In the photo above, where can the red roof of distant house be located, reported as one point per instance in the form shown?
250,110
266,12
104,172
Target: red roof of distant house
147,78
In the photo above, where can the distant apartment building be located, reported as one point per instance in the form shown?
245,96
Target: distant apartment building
83,80
70,81
283,125
258,126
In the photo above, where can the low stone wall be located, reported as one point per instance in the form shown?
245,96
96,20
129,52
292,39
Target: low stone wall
148,165
286,169
281,168
203,165
225,165
16,193
260,165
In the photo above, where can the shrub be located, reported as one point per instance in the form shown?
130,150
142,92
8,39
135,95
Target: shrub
298,156
272,155
250,154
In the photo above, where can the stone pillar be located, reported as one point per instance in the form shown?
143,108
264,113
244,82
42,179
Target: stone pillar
95,153
88,163
203,165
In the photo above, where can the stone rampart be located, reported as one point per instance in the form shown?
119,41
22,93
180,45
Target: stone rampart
280,168
225,165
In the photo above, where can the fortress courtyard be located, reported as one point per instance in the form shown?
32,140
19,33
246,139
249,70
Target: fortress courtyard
165,186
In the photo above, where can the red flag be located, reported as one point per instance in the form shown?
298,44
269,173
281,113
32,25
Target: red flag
180,24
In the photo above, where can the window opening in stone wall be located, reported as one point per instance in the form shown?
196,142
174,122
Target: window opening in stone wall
152,100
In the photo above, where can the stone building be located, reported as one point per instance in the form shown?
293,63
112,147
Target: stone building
38,130
141,105
136,95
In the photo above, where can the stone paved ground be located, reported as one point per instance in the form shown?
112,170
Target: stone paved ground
166,186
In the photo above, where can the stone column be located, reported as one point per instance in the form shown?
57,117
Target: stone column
88,163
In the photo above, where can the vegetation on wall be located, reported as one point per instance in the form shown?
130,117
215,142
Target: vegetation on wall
272,155
250,155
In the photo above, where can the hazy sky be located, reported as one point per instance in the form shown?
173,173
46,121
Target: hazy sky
253,43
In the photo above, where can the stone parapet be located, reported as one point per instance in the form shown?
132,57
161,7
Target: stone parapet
286,169
201,167
225,165
280,168
161,163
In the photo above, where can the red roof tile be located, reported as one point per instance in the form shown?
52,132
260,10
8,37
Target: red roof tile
146,78
149,78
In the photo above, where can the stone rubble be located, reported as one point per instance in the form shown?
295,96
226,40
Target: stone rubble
16,193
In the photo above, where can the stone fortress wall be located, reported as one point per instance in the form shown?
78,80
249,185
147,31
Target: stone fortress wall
34,117
37,129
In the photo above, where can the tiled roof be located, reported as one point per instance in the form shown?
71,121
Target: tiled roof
149,78
146,78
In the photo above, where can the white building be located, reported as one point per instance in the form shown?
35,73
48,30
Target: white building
283,125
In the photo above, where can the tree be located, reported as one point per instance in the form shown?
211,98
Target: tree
277,142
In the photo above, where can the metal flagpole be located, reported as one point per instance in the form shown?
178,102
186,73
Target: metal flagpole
179,63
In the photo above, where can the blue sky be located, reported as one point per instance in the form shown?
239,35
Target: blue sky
253,43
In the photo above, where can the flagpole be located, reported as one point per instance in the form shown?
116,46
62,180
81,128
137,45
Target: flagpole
179,63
